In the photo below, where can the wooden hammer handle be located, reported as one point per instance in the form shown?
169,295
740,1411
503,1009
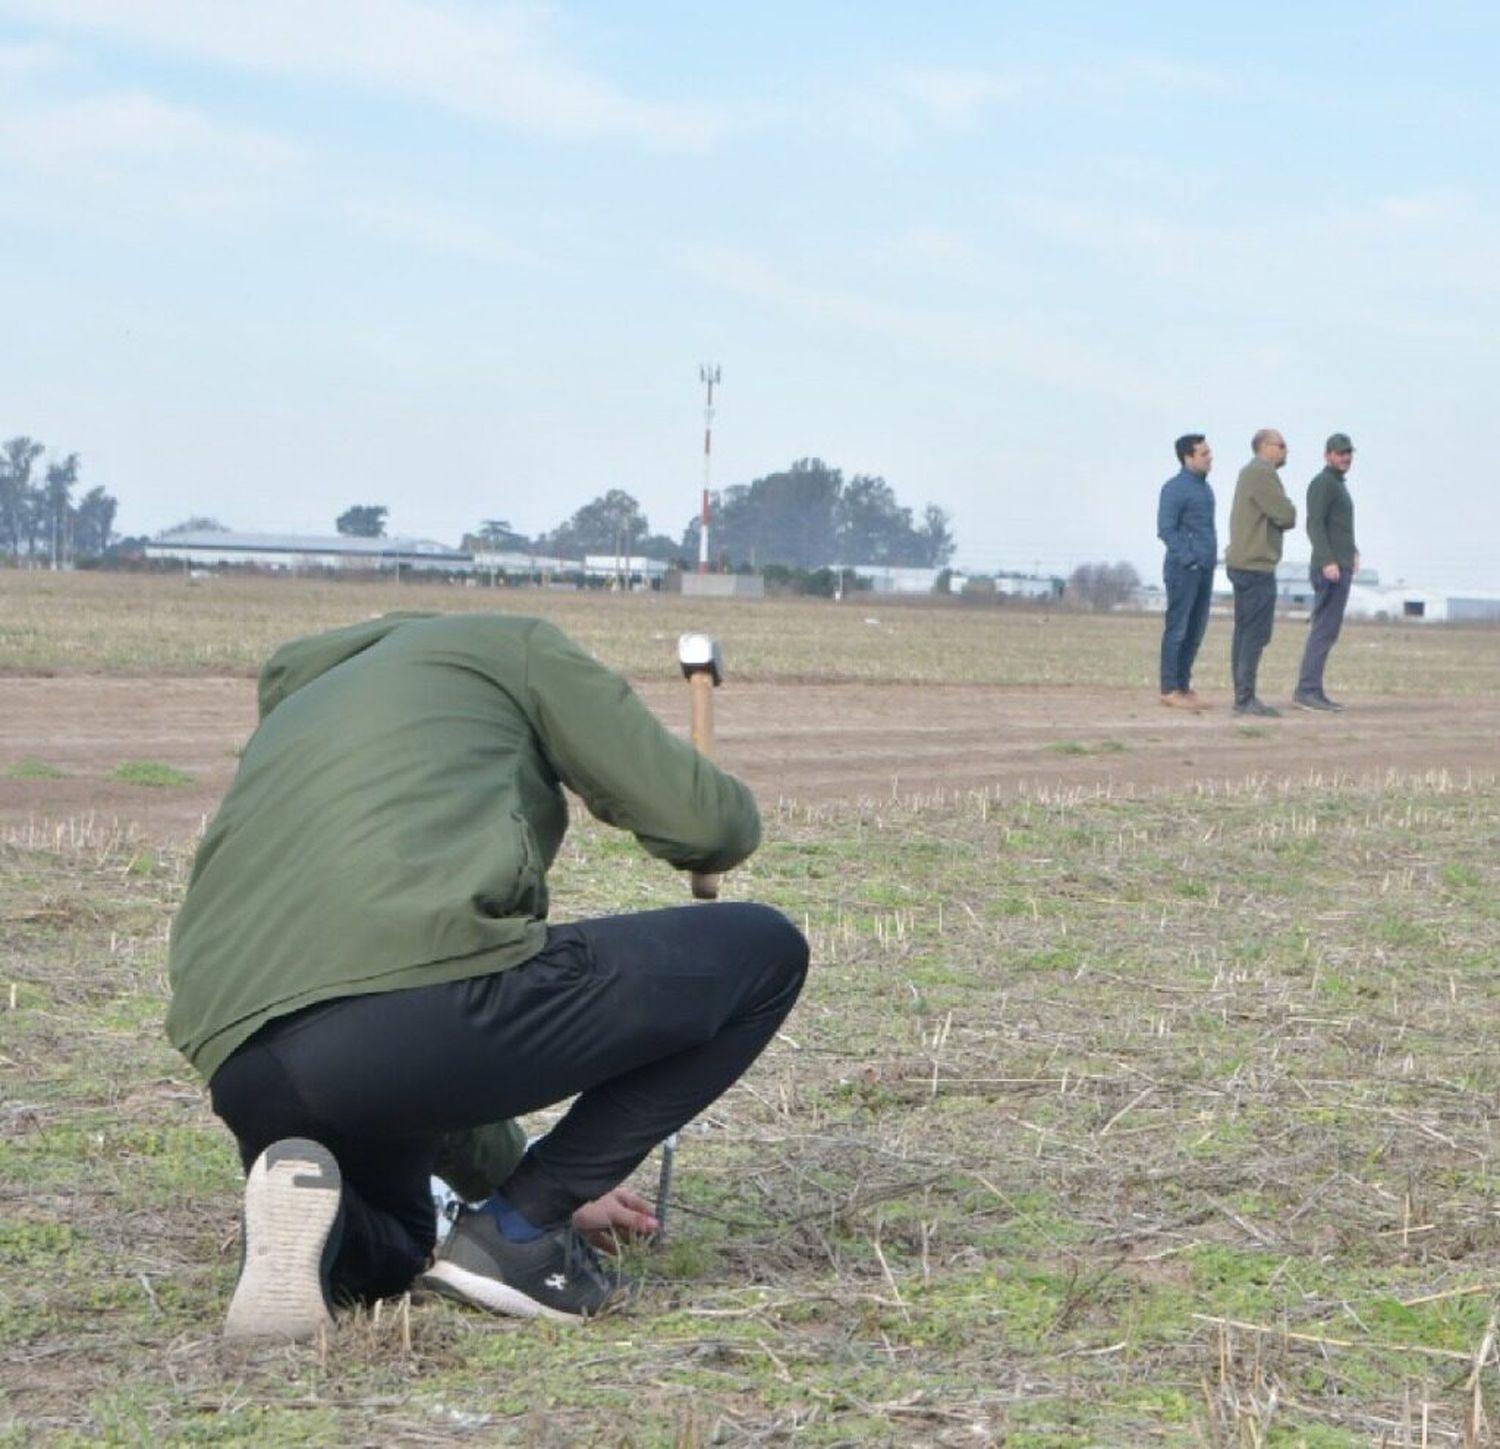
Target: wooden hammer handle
705,887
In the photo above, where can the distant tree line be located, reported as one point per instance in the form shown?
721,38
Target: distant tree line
1098,586
809,516
802,519
364,520
40,520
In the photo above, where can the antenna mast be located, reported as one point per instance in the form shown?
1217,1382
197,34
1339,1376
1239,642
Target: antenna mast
708,374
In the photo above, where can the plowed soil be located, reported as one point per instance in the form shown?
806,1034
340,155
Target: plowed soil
804,742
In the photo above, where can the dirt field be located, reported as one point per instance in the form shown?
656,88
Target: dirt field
1126,1113
805,742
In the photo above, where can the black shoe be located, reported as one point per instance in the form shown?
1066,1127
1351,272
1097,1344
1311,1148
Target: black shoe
557,1276
1315,701
289,1234
1259,708
1332,704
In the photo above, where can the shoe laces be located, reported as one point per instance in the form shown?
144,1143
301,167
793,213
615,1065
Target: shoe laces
580,1258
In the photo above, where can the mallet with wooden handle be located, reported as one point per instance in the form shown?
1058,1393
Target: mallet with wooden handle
703,667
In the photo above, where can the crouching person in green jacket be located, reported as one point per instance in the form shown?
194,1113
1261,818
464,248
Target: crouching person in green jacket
363,972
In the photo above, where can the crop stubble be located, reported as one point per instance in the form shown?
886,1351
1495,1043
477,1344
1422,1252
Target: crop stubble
1114,1113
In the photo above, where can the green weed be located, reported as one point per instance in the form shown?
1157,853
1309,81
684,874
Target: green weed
35,770
152,774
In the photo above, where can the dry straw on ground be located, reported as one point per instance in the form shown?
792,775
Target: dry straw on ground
1107,1118
228,624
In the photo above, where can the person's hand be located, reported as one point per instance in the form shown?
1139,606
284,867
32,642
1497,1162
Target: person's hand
620,1215
1331,572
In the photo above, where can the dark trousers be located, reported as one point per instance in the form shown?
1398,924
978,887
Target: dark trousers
649,1017
1188,594
1254,617
1327,620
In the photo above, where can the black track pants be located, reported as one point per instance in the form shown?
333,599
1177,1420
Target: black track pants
1254,619
648,1017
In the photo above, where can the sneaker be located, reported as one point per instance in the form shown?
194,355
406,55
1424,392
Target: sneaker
289,1233
1259,708
557,1276
1315,701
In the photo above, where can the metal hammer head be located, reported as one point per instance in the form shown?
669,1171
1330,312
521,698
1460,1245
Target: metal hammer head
699,653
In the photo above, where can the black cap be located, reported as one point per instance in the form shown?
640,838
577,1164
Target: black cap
1338,443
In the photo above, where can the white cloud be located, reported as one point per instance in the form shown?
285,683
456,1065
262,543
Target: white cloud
1422,209
1152,73
1167,246
426,225
1006,346
111,128
130,161
135,163
22,59
953,97
499,63
934,246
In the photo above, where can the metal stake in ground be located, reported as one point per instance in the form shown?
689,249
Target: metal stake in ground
703,668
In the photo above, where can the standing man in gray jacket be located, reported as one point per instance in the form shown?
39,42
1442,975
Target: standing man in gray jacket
1185,524
1260,514
1335,561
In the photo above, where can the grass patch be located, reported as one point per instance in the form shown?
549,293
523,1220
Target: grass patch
1079,747
151,774
35,770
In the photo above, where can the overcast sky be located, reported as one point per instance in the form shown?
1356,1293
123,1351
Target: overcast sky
263,259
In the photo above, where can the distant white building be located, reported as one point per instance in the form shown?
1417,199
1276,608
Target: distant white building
911,580
517,565
1465,605
306,551
624,567
1369,598
718,586
894,578
1400,601
1029,586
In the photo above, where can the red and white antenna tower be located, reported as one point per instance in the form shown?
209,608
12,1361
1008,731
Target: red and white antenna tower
708,374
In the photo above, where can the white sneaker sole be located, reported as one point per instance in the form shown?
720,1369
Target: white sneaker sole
489,1293
292,1201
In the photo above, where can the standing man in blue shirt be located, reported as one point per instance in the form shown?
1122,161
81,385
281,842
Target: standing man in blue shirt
1185,523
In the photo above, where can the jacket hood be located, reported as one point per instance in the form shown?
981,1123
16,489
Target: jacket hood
301,661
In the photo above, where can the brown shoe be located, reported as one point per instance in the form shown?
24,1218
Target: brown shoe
1189,700
1173,699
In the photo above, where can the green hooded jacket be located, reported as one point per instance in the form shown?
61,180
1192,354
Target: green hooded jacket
394,815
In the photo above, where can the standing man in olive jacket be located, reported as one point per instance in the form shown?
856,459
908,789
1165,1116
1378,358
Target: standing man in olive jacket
1335,561
1185,524
363,971
1258,518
